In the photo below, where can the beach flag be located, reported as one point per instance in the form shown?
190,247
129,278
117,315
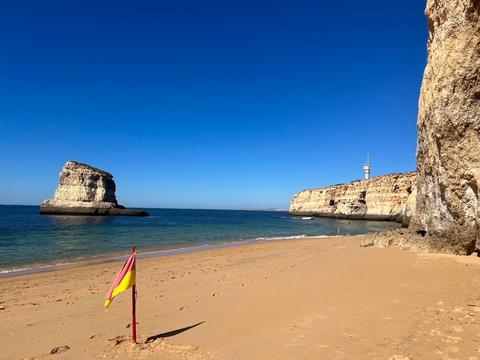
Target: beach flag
124,280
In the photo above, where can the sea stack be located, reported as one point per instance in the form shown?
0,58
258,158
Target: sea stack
85,190
448,149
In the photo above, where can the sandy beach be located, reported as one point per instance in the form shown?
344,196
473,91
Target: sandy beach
303,299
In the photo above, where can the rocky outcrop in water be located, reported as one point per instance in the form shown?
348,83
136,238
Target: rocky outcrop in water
388,197
448,150
85,190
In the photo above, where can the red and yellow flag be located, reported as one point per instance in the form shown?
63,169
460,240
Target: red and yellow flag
124,280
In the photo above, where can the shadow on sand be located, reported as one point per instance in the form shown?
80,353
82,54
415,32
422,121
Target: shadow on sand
172,333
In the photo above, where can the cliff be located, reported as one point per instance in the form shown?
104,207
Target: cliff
388,197
448,149
85,190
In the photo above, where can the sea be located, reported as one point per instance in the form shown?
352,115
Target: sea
31,243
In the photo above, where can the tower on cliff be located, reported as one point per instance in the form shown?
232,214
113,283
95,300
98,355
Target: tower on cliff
366,168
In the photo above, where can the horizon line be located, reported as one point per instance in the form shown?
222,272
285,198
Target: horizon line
180,208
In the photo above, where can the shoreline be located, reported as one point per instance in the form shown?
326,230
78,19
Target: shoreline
117,256
34,243
290,299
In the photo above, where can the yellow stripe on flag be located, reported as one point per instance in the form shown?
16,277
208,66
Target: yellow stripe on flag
124,280
127,282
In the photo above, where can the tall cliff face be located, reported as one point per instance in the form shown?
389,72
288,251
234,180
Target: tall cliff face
85,190
448,150
389,197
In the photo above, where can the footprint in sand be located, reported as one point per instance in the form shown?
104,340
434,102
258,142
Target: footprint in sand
453,349
458,328
59,349
453,339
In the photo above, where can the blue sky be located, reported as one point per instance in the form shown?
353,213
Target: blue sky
207,104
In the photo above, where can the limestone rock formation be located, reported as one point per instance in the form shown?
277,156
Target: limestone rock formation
448,149
84,186
388,197
85,190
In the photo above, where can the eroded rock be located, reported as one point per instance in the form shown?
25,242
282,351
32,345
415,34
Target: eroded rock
448,150
388,197
85,190
402,238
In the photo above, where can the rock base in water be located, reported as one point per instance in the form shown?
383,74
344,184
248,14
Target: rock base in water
85,211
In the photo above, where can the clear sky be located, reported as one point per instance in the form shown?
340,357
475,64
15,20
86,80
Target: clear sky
207,104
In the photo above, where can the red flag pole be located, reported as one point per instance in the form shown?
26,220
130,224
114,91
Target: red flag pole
134,301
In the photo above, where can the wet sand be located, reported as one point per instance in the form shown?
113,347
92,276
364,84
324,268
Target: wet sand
298,299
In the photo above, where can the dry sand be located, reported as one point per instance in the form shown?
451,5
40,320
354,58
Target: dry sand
302,299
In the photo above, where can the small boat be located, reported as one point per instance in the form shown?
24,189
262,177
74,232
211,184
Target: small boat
307,218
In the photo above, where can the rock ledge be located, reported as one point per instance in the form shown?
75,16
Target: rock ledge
406,239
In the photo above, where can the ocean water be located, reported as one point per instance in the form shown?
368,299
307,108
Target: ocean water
31,242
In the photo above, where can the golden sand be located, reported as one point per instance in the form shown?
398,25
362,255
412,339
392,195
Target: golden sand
301,299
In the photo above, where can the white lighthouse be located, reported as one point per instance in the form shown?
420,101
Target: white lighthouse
366,169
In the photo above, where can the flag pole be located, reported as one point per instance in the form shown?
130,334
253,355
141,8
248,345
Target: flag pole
134,301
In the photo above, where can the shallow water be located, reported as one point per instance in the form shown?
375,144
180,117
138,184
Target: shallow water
32,241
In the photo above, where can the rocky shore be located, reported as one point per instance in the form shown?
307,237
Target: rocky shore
389,197
85,190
